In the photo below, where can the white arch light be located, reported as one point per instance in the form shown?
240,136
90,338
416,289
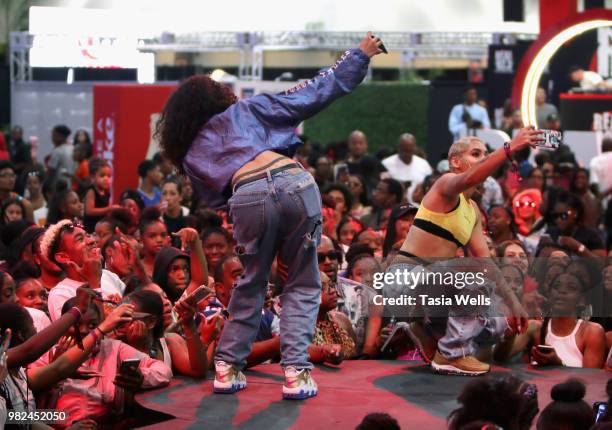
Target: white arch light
536,69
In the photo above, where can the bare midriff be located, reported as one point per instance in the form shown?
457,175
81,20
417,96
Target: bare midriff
256,165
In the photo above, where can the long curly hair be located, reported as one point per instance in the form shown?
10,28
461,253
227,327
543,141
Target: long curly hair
191,105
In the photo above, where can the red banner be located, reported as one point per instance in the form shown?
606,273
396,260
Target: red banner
124,120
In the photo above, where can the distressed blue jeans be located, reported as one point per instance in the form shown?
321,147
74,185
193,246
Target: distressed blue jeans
463,332
280,214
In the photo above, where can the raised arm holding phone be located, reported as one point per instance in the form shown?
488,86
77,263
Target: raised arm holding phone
446,221
239,153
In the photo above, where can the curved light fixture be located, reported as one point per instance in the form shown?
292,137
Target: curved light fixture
536,69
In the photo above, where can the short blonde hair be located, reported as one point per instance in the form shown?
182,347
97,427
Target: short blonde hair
459,147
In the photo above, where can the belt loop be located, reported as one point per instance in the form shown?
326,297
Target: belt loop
271,184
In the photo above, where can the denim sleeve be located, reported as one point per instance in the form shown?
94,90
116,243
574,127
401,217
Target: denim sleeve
310,97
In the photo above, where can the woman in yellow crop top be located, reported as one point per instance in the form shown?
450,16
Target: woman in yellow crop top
446,220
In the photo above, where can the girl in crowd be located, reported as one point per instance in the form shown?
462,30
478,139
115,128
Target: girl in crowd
96,396
153,236
65,205
513,252
185,355
569,229
482,399
29,291
119,218
361,203
188,198
347,229
217,244
568,410
7,288
590,203
526,209
81,136
371,238
400,222
12,210
81,180
514,278
97,198
500,223
343,199
131,200
176,272
574,342
34,181
26,346
174,213
537,179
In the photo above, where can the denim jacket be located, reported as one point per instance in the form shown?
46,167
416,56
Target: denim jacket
261,123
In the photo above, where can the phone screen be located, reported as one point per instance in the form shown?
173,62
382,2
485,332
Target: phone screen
600,410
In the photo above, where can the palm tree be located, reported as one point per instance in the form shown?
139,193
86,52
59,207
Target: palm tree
13,17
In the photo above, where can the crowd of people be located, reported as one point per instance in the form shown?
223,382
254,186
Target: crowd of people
90,279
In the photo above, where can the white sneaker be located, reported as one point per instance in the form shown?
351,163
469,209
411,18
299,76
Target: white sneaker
299,385
228,379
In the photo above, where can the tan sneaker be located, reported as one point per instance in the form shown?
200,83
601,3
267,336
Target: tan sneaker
467,366
425,343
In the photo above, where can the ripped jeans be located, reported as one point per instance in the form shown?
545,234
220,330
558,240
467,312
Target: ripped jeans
278,214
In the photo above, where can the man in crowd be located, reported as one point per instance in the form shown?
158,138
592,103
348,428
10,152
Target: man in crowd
406,166
468,115
76,253
360,162
601,167
20,151
150,179
587,79
61,164
543,109
388,193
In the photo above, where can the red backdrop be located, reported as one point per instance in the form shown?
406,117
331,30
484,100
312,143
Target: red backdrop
122,127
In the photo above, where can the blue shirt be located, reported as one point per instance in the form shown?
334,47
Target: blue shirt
151,201
458,127
261,123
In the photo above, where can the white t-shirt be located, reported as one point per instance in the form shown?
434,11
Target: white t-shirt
601,171
415,172
40,216
110,284
41,320
590,80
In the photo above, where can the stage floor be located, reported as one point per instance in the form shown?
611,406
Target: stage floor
407,390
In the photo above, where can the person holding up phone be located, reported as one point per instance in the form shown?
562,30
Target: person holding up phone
93,393
446,221
187,354
243,149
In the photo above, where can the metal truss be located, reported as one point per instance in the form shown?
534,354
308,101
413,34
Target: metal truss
253,45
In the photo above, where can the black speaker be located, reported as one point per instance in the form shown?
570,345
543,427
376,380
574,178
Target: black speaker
594,4
514,10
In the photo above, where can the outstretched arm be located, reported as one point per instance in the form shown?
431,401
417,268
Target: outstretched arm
307,98
454,184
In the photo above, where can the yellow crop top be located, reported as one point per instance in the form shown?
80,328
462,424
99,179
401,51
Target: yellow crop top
455,226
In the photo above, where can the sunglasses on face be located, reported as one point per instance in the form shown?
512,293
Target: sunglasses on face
332,255
525,204
563,215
